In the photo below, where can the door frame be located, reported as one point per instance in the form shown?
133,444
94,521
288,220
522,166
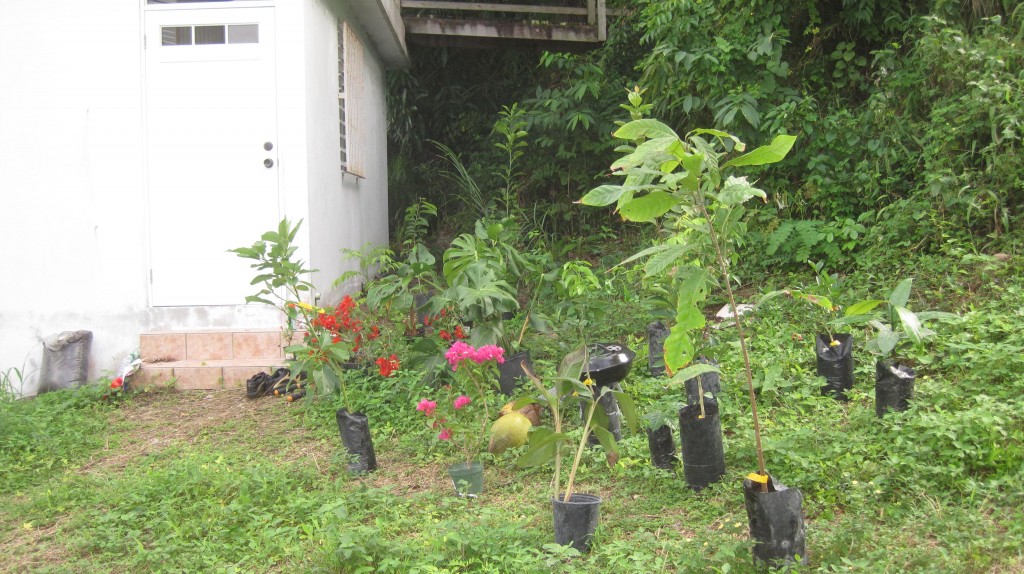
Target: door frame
204,5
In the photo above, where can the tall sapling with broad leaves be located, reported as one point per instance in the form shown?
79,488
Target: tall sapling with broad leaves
686,184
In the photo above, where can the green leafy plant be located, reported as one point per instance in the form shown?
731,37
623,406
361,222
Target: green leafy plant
545,444
822,297
480,270
475,374
280,276
686,182
894,323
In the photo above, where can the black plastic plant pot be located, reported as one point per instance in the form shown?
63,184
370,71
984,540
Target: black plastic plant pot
894,387
776,521
835,363
657,333
663,447
512,373
576,520
355,435
609,363
610,406
701,441
419,302
709,383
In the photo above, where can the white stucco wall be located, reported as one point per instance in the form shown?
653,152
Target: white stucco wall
344,210
71,178
73,190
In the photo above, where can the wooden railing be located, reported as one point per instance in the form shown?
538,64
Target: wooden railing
581,20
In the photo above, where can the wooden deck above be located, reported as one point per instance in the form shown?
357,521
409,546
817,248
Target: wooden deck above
450,22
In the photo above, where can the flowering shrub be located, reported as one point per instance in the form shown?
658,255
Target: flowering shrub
457,426
476,370
331,336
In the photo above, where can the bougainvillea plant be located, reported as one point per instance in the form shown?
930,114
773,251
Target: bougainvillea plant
465,427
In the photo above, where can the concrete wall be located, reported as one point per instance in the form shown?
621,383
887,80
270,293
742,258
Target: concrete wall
345,211
73,184
71,178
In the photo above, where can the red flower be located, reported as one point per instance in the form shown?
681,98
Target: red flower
445,335
459,333
386,367
346,305
117,383
374,333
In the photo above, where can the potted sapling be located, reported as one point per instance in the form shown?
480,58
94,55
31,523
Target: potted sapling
894,325
465,425
691,187
834,351
575,514
317,361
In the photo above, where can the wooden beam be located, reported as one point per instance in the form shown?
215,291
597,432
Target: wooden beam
503,30
482,7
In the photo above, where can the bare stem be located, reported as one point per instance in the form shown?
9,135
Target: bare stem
743,341
579,450
700,389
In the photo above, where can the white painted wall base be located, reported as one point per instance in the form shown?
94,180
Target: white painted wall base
73,180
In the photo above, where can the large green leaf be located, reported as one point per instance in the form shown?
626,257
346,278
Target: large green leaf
692,164
862,307
885,342
770,153
911,324
665,258
607,440
679,347
901,294
603,195
649,207
693,371
572,364
542,447
647,128
652,151
628,409
737,190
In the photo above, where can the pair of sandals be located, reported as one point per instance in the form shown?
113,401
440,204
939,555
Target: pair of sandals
279,383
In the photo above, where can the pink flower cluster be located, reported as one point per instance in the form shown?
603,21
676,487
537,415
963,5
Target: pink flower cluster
461,351
427,407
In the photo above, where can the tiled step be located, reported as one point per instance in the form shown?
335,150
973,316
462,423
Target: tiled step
208,359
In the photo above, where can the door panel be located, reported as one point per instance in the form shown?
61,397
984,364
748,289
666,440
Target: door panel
211,115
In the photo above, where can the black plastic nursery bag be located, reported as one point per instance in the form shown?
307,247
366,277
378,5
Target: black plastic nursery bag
663,447
355,435
835,363
701,441
894,387
776,521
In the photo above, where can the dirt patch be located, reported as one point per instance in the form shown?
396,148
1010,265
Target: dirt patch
29,547
160,418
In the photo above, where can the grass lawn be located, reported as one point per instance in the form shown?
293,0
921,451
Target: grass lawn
186,481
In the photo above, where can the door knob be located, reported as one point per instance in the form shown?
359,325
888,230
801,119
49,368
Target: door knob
268,162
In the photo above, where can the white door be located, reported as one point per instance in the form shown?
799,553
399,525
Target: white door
211,149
